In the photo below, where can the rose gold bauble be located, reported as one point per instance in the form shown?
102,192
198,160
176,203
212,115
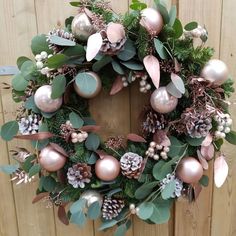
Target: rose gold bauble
215,71
50,159
93,90
162,102
151,20
43,100
189,170
107,168
82,27
92,196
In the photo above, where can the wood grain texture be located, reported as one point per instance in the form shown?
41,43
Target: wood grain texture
195,219
224,210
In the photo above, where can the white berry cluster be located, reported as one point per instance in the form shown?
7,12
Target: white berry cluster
156,151
77,136
224,123
144,85
133,209
40,60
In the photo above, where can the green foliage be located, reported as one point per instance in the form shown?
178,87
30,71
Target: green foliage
191,26
137,5
92,142
19,83
145,189
228,87
9,169
231,137
57,61
76,120
35,169
58,86
204,181
94,211
39,44
145,210
9,130
168,191
143,43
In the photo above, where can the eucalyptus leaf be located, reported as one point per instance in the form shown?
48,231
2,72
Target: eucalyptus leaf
77,206
160,49
9,169
54,39
117,68
35,169
27,68
177,147
30,105
114,191
39,44
195,142
133,65
58,86
107,224
162,9
19,83
78,218
77,50
191,26
49,183
231,137
92,142
92,159
172,15
56,61
178,28
121,230
94,211
145,189
28,163
9,130
86,83
76,120
21,60
138,6
171,88
145,210
168,191
204,181
39,145
105,60
129,51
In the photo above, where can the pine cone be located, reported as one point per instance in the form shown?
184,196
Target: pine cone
21,177
131,165
111,207
21,154
79,174
29,124
197,124
153,122
60,33
109,48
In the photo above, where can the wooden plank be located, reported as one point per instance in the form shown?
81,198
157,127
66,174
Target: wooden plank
224,212
16,32
138,101
195,219
7,205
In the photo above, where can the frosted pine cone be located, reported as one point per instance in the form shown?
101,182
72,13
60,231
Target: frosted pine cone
29,124
79,174
152,122
21,154
111,207
198,124
60,33
110,47
131,165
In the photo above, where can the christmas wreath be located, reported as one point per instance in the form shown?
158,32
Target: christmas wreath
181,130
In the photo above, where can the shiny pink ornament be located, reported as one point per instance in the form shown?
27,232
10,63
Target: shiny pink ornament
107,168
189,170
163,102
43,100
152,21
50,159
215,71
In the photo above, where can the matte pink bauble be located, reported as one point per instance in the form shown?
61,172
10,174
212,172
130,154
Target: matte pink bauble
43,100
107,168
152,21
163,102
189,170
215,71
51,160
91,91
